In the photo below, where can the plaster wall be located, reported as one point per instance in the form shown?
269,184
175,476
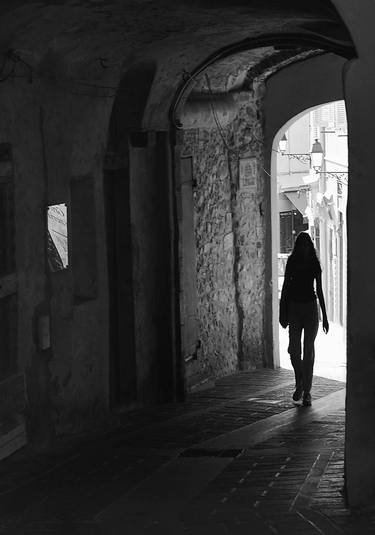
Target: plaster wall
360,400
298,142
56,138
151,242
359,84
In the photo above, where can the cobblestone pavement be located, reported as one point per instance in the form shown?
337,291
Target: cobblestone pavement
236,458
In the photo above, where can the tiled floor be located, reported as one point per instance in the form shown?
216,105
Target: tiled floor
238,458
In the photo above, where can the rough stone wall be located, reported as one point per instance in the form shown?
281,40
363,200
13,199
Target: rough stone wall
217,314
230,234
247,131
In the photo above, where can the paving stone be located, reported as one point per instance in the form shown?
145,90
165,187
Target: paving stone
270,487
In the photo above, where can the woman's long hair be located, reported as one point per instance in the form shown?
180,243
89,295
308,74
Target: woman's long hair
304,251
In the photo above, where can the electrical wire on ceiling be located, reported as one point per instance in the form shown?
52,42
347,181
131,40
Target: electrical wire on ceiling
6,75
15,59
276,40
239,151
244,148
60,83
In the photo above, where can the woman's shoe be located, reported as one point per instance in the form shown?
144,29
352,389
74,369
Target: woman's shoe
297,393
306,399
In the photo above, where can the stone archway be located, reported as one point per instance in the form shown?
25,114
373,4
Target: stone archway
244,286
139,234
321,80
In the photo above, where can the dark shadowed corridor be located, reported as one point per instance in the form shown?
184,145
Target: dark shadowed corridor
233,459
139,335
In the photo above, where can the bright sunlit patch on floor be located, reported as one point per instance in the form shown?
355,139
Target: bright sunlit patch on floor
330,352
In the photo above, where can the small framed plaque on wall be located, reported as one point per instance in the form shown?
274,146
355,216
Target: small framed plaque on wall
248,172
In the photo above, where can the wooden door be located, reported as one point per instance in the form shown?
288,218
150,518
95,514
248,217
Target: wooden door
123,387
12,397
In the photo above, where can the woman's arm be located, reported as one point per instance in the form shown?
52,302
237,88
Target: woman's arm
320,295
283,311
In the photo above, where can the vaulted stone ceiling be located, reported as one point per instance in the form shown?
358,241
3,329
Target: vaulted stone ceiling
237,72
95,41
82,30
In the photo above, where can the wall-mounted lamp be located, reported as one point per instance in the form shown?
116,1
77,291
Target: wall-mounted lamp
314,158
282,144
317,156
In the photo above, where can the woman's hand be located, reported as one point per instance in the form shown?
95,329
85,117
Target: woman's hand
325,325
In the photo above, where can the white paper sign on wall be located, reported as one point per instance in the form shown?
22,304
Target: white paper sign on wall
248,173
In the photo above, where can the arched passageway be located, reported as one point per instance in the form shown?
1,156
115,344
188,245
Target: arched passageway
61,81
234,213
223,121
314,200
222,308
322,82
228,213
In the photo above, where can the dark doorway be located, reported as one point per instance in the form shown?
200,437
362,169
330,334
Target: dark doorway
123,370
291,224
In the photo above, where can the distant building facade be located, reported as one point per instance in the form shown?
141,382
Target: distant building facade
316,201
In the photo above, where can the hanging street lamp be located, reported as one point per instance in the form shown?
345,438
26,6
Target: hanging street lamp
316,156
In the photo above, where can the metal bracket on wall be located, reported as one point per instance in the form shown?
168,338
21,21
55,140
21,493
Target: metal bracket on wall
194,355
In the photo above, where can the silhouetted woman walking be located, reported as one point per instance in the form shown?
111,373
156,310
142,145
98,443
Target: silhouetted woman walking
298,309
